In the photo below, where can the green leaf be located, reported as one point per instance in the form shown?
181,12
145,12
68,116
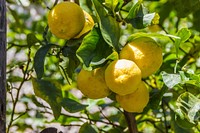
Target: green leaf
31,39
50,92
114,5
38,63
109,27
194,80
93,51
131,10
87,128
136,15
184,35
66,119
185,7
153,35
183,123
68,65
85,53
72,106
113,56
111,4
189,106
171,80
116,130
177,125
155,98
36,102
14,79
165,10
196,20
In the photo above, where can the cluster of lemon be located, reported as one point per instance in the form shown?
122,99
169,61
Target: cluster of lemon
67,20
138,59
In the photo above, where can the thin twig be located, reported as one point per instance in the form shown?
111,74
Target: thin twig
94,120
106,117
18,92
55,3
20,115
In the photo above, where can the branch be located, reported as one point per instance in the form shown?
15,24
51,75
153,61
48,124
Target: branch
132,125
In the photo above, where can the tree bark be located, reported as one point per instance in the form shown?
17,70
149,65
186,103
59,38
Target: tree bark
132,125
3,28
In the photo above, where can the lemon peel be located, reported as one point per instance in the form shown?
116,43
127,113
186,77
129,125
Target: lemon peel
145,52
66,20
122,76
136,101
92,83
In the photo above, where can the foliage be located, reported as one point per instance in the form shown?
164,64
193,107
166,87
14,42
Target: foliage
42,69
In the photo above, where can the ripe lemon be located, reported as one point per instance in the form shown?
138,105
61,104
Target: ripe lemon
136,101
92,83
66,20
122,76
145,52
89,24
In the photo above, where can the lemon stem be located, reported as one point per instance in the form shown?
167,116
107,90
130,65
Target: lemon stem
132,125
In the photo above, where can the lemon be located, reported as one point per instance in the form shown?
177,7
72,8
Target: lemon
122,76
136,101
66,20
89,24
154,28
145,52
92,83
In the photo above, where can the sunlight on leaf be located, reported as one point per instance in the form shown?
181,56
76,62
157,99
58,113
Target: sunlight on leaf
108,25
171,80
153,35
31,39
50,92
184,35
93,51
189,106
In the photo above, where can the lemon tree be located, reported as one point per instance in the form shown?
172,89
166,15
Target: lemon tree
92,66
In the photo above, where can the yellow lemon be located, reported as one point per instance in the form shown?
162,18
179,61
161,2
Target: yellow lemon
92,83
154,28
122,76
89,24
145,52
136,101
66,20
